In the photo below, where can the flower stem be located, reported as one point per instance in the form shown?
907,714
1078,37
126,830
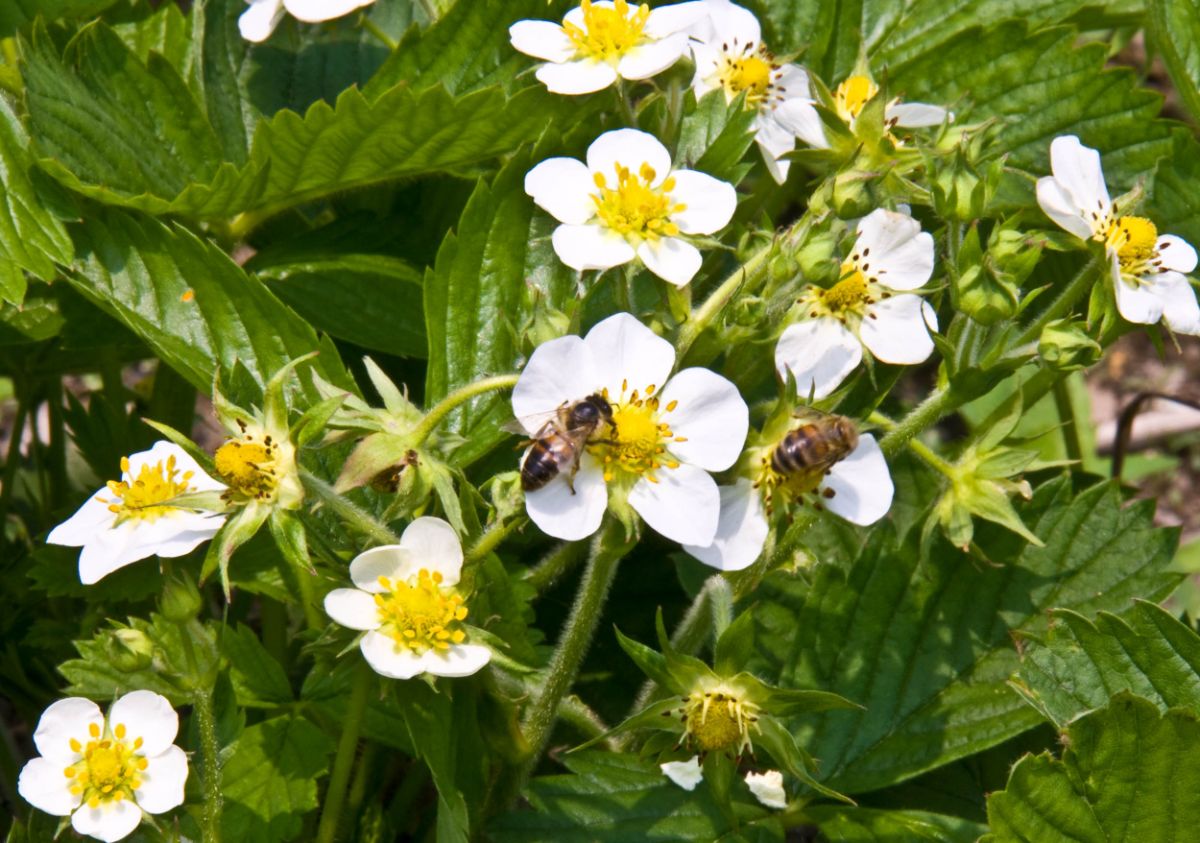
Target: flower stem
608,548
556,563
928,412
356,517
459,396
343,763
370,26
210,821
626,104
490,540
745,275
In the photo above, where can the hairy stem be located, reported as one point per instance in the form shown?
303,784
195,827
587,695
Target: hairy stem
459,396
354,516
940,403
746,275
370,26
210,821
1057,309
343,762
492,539
556,563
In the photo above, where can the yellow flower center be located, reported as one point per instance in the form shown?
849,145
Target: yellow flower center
110,769
853,95
750,73
421,616
141,496
849,294
1134,240
607,34
639,435
248,467
716,721
634,208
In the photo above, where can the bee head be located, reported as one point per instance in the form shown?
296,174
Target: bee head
846,431
594,408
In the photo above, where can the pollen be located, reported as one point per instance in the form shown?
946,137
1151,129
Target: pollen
853,95
142,496
753,72
421,615
718,721
608,33
634,208
637,442
1134,240
109,768
848,294
249,466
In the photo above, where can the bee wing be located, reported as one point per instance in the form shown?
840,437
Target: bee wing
535,422
809,413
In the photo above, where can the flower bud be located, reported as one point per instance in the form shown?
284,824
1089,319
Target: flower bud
984,297
180,600
815,258
1012,254
129,650
852,195
1065,346
962,189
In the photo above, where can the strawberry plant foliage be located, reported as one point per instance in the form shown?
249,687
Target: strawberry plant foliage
524,420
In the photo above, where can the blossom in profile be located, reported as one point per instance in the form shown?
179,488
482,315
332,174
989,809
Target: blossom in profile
135,517
1148,270
405,602
667,433
730,55
872,306
106,772
600,42
626,202
259,21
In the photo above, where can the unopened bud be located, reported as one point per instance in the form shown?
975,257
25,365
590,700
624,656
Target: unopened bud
1066,347
181,600
129,650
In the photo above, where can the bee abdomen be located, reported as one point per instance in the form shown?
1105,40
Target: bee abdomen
544,461
801,449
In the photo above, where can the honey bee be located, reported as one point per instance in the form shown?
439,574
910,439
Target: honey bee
560,442
815,446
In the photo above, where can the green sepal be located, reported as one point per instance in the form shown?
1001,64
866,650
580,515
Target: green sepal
782,747
312,424
650,662
190,448
238,530
290,538
735,647
275,407
719,773
655,717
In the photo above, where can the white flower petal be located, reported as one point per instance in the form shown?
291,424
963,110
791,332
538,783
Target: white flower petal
584,76
162,781
1180,309
706,59
895,330
773,138
148,716
671,259
777,167
541,39
686,774
110,821
316,11
741,530
624,351
590,247
387,658
730,24
109,551
820,354
710,414
43,785
1060,206
710,202
893,249
799,116
90,519
459,660
563,188
389,560
559,372
1077,169
631,149
559,513
916,115
258,22
861,483
768,788
161,452
684,505
1138,303
62,722
666,20
1175,254
653,57
353,608
433,545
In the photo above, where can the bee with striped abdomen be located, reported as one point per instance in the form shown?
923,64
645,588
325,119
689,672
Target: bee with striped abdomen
796,466
559,443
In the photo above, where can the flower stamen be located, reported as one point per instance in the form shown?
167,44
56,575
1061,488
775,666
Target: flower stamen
421,616
853,95
637,444
718,720
608,33
249,467
1134,240
634,208
142,496
109,768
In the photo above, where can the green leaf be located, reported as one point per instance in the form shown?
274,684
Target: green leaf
618,798
1174,28
258,679
222,62
1080,663
1128,773
843,824
195,307
1176,193
31,237
922,636
165,31
714,137
15,14
269,779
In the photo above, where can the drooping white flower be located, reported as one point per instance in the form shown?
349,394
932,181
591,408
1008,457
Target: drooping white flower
626,202
870,306
259,21
601,41
857,488
686,774
105,772
768,788
850,98
730,55
404,600
667,432
1148,270
126,521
